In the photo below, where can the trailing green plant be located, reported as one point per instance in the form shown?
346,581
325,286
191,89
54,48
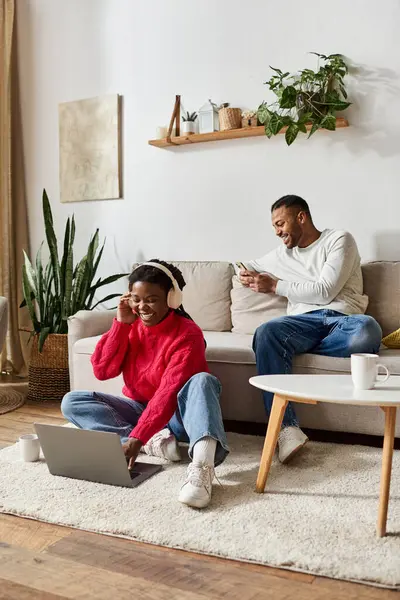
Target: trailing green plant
307,97
189,116
59,289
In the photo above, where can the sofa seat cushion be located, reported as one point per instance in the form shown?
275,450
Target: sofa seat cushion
222,346
229,347
236,348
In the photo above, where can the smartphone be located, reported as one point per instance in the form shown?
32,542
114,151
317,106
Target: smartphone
240,265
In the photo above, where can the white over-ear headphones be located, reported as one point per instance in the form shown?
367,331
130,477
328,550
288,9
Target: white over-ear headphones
175,296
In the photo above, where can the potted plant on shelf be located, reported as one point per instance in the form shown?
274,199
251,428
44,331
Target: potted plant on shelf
188,125
52,293
305,100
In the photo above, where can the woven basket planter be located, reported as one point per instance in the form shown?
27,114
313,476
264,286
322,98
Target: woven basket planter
230,118
48,370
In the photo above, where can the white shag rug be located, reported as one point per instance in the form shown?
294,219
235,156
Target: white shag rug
319,515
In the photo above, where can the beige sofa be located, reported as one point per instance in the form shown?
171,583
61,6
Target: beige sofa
228,313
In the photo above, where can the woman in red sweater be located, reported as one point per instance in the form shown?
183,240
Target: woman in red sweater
169,394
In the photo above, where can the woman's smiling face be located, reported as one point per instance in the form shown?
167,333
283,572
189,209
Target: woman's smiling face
149,302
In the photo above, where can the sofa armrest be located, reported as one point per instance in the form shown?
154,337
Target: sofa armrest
87,323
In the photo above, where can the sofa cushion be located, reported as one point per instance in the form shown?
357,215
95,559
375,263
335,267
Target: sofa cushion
206,295
227,347
222,346
250,309
382,286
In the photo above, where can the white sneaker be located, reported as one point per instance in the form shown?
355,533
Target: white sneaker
164,445
291,440
196,491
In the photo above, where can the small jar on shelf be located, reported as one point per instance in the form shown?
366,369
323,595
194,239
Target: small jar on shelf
249,118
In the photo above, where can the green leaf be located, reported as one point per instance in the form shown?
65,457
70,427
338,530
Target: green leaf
63,263
30,273
42,337
302,126
291,133
100,254
40,283
288,99
276,70
343,90
332,97
319,55
51,241
268,131
110,297
341,105
328,122
108,280
23,303
69,266
313,129
78,283
27,295
275,123
263,113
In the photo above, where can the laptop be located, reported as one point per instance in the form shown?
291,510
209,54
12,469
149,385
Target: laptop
90,455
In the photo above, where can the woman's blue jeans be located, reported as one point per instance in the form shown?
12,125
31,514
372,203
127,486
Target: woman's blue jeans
198,414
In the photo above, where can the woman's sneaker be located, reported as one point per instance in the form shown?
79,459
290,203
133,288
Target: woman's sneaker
164,445
291,440
196,491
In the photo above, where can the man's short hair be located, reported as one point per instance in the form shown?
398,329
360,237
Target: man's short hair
289,201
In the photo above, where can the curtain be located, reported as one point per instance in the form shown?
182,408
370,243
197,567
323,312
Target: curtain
13,212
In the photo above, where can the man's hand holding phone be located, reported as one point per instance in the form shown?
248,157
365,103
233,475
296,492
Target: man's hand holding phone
259,282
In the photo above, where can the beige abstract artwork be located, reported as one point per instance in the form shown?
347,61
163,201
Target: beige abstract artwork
90,149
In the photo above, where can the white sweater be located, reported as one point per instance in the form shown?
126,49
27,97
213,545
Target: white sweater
326,274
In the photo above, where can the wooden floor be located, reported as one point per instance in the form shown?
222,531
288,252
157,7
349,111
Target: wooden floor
38,560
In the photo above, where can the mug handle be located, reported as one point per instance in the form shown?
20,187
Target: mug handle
386,377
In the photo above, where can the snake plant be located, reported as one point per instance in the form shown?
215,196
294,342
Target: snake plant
59,289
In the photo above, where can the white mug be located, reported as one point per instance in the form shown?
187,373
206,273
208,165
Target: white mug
29,447
364,371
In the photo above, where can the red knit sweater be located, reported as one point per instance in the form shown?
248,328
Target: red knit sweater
155,361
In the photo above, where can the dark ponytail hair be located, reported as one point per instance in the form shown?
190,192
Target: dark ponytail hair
154,275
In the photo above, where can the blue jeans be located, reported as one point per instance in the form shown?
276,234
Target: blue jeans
198,414
325,332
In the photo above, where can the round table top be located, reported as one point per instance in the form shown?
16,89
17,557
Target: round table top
330,388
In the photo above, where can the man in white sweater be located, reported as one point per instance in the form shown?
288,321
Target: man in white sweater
319,272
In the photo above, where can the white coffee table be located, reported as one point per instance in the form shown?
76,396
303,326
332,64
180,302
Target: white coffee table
338,389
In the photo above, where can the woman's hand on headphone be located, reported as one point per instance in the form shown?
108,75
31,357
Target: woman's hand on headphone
125,313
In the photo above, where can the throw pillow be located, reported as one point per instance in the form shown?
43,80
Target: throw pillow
392,340
251,309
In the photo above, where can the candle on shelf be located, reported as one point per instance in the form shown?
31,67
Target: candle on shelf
161,133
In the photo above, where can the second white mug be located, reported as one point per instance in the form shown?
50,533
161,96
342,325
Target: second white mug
29,447
364,371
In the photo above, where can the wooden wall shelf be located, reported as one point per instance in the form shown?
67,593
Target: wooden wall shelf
231,134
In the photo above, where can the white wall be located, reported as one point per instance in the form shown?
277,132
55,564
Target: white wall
211,201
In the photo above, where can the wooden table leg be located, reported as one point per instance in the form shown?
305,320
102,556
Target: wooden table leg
274,426
387,456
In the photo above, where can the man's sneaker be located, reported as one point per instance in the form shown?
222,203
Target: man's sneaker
291,440
196,491
164,445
